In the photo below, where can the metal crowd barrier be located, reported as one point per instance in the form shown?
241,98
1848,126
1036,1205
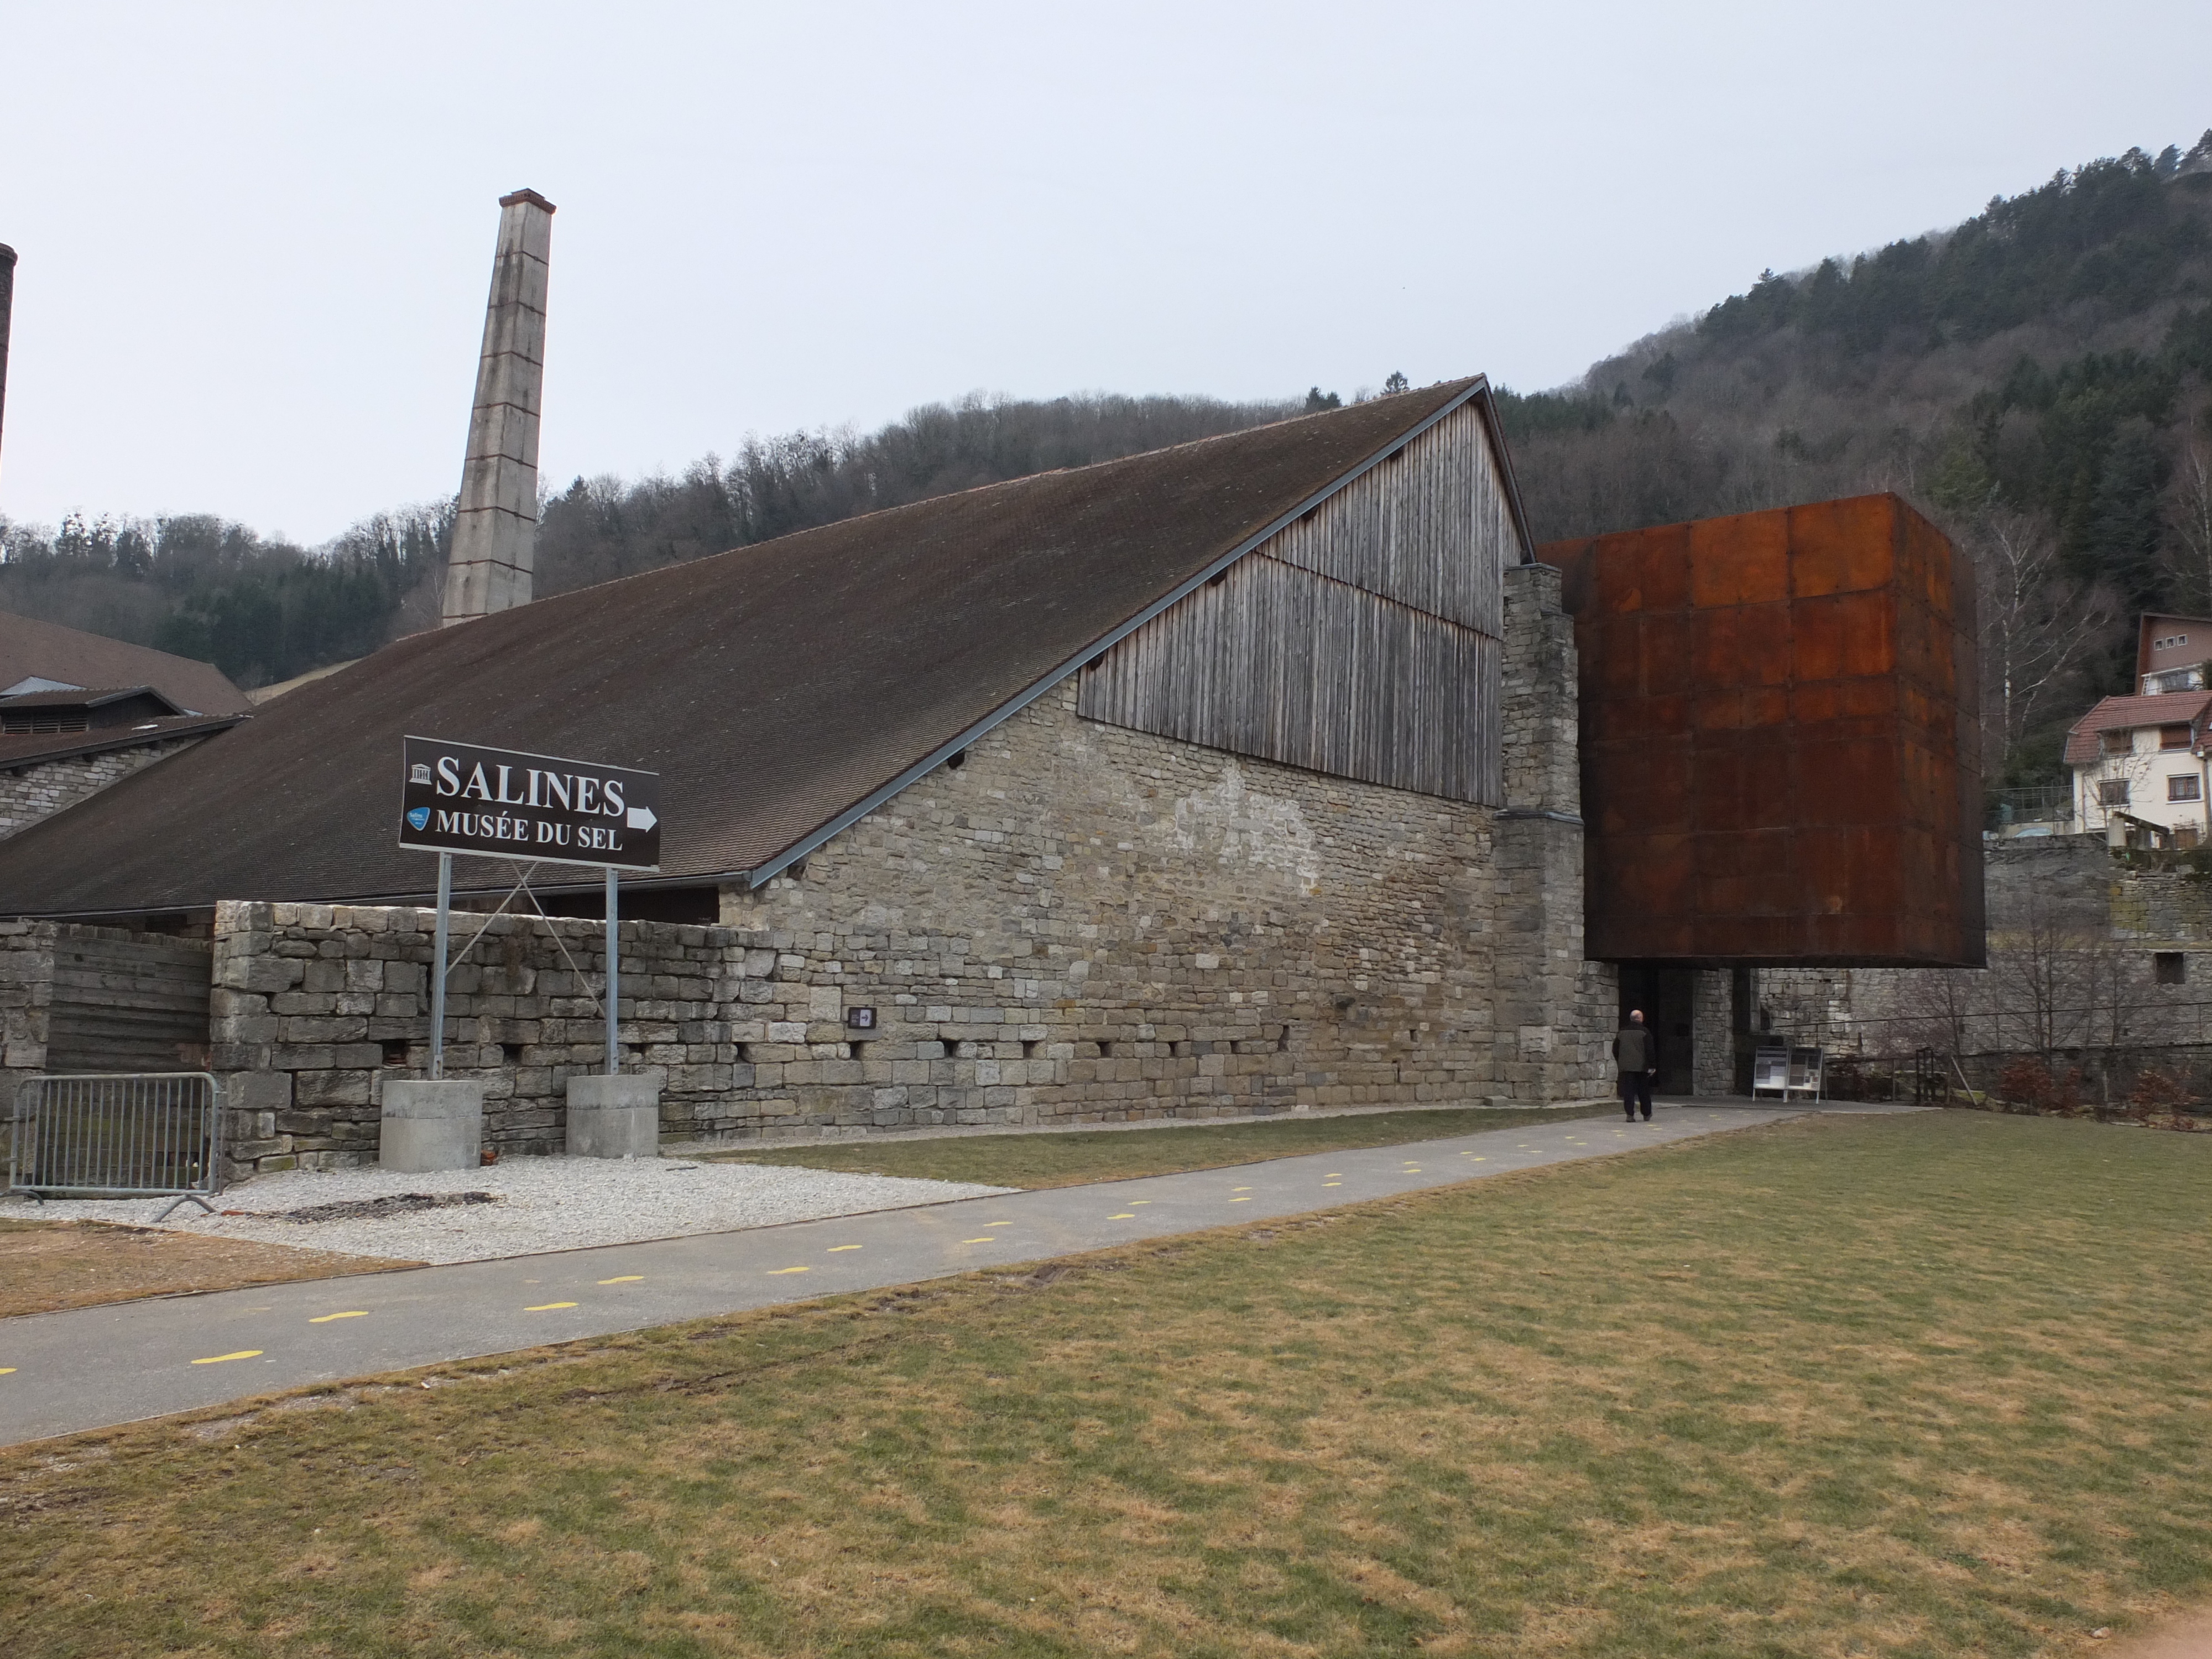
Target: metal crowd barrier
123,1134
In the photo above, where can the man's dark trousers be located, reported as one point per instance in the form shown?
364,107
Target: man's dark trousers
1636,1088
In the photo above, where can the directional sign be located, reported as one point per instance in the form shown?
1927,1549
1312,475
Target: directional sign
461,797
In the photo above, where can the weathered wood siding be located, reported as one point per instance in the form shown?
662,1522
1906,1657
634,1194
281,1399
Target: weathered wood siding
1362,641
1430,528
128,1003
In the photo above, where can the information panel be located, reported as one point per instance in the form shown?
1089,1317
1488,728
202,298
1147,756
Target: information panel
463,798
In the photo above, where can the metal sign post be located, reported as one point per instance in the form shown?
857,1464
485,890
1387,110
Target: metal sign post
614,974
438,968
510,804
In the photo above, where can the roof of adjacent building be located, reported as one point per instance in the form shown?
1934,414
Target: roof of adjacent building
2126,714
69,658
780,690
37,749
87,698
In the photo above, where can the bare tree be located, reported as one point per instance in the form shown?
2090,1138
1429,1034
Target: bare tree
2037,624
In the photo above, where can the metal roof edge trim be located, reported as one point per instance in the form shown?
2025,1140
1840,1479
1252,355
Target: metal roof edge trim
1486,400
1479,389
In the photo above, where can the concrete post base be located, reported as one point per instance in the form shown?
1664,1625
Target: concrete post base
614,1117
431,1126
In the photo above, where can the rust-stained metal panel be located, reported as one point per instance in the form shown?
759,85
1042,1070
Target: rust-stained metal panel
1780,761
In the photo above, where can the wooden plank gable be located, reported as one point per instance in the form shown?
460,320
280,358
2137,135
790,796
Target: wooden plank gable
1362,641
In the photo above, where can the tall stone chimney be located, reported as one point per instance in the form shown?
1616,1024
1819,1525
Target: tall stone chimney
6,308
495,538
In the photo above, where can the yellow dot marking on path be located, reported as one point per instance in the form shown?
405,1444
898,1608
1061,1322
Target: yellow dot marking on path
1134,1202
1336,1175
834,1249
778,1272
548,1307
1240,1190
627,1279
1240,1200
1009,1224
325,1319
1332,1183
218,1359
7,1370
1126,1215
988,1238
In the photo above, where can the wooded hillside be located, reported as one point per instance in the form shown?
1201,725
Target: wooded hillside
2039,379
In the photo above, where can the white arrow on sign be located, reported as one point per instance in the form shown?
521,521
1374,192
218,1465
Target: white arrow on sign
640,818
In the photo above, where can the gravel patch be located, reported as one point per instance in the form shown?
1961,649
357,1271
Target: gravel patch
536,1204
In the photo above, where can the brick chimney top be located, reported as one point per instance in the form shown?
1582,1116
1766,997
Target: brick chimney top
530,196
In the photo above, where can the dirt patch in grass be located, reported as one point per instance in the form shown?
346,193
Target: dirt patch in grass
1913,1386
2186,1637
1070,1159
46,1266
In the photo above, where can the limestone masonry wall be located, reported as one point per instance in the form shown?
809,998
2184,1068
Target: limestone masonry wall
32,793
1079,923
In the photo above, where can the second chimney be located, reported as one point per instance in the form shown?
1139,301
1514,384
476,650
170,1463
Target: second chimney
495,537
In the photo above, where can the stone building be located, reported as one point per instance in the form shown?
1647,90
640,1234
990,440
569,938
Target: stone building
1235,778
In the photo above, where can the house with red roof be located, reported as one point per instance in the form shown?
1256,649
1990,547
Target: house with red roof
2140,771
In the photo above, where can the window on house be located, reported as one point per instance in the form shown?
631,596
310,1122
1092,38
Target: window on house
2169,967
2173,737
2112,792
2119,743
2179,787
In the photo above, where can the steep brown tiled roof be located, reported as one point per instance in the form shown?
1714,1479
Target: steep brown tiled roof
778,688
2126,714
50,651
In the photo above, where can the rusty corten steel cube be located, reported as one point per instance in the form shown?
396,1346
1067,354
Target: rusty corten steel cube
1780,747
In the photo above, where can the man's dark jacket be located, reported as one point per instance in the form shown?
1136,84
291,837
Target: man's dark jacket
1636,1048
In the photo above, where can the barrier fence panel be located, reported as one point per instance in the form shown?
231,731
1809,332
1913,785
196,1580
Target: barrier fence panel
125,1135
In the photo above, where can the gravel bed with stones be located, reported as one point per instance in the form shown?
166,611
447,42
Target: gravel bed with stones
534,1205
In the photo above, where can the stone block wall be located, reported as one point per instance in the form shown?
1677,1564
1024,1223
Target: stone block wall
316,1005
28,794
27,995
1554,1011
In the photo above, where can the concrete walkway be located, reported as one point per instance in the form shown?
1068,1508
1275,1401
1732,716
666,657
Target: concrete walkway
94,1367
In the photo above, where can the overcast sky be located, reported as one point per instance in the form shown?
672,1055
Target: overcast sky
255,241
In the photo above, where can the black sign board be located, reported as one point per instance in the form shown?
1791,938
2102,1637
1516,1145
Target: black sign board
461,797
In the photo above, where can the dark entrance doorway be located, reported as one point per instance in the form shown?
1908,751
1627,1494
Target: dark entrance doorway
1666,996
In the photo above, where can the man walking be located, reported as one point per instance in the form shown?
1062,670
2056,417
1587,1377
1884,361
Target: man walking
1636,1054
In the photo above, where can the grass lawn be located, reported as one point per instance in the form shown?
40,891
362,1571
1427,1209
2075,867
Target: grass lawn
46,1265
1070,1159
1930,1385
